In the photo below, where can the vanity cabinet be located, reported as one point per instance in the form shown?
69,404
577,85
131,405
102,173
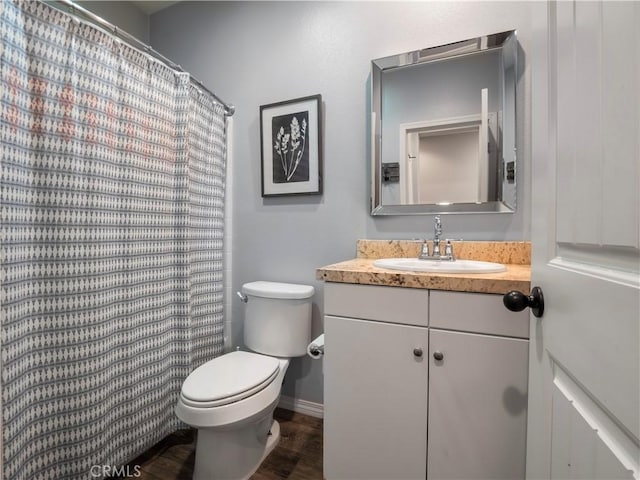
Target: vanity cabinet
376,380
423,384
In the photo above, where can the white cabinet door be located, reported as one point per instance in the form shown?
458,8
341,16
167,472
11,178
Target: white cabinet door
375,394
477,406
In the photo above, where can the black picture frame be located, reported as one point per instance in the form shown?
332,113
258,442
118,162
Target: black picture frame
291,147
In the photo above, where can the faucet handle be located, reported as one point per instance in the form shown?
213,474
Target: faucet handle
448,248
424,250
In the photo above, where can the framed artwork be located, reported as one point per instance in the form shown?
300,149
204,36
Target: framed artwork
291,147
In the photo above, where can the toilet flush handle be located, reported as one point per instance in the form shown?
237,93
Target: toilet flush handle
242,297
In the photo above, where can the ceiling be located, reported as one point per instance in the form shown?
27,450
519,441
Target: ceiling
152,6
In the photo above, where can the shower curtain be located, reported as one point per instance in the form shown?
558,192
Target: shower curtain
112,196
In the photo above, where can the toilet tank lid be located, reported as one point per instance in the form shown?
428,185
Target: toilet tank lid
278,290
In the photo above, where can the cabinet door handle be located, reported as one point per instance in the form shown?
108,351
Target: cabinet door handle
417,352
438,355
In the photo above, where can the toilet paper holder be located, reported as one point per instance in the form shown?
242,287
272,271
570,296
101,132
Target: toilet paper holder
316,349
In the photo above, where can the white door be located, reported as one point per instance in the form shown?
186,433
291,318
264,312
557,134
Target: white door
584,362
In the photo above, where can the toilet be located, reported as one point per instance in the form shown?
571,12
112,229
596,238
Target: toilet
231,399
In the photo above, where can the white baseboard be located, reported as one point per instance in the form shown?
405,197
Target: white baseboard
302,406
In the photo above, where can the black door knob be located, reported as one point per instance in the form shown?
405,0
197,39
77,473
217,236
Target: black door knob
438,355
518,301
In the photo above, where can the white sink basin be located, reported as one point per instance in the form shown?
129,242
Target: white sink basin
439,266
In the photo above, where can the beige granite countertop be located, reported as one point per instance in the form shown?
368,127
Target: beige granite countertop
514,255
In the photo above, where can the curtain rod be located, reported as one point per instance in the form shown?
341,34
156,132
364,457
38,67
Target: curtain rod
229,109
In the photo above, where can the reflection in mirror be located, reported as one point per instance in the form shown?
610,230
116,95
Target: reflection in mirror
443,121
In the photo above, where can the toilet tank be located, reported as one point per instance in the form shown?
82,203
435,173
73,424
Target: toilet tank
277,319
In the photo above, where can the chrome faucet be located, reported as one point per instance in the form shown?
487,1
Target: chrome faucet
435,254
436,236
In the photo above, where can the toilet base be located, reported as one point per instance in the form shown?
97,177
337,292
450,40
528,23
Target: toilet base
234,454
272,441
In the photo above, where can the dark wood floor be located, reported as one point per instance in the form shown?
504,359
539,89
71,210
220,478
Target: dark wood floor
298,456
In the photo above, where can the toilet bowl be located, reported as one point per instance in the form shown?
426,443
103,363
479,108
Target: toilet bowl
231,399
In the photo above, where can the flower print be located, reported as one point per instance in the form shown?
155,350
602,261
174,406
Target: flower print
276,146
278,138
284,143
289,145
295,134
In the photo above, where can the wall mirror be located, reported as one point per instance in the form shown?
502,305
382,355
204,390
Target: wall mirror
443,125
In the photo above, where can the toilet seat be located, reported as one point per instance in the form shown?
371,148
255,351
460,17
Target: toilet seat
228,379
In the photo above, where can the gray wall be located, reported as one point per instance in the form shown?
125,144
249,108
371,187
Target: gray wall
124,15
255,53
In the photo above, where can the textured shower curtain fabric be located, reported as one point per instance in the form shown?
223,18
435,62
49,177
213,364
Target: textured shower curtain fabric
112,197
